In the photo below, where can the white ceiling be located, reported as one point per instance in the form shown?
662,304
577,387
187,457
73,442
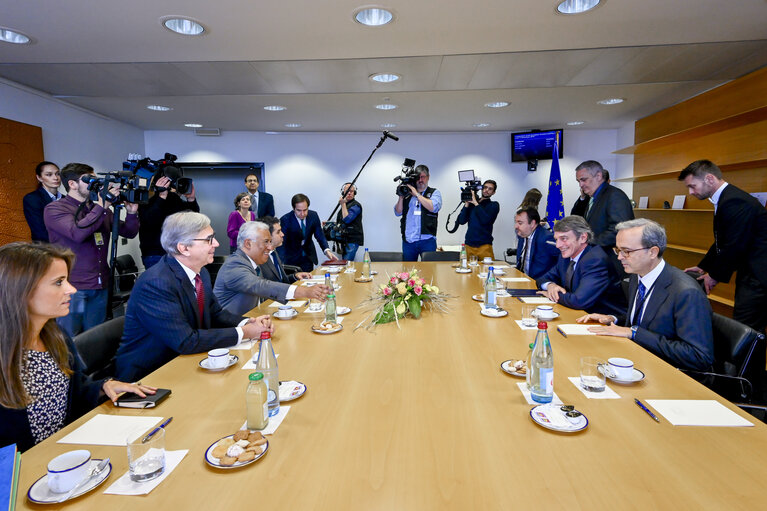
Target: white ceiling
114,58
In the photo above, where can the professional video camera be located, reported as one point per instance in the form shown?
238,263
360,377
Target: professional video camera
473,186
155,169
408,176
336,231
132,188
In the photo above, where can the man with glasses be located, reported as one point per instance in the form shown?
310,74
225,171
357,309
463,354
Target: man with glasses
418,211
240,286
668,313
261,203
480,215
172,309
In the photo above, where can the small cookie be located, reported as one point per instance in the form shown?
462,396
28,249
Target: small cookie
246,456
226,442
256,435
227,461
241,435
219,451
256,449
260,441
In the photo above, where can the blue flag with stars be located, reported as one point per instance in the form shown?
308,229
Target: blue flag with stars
555,203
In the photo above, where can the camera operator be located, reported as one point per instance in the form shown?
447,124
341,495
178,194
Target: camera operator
351,216
85,226
418,210
165,202
480,215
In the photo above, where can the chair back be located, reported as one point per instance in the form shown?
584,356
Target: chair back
734,343
384,257
440,256
125,273
97,347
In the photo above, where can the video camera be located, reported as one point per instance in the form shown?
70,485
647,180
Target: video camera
155,169
472,185
408,176
336,231
132,188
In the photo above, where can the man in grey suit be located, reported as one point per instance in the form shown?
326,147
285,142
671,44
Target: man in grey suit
273,269
668,312
239,284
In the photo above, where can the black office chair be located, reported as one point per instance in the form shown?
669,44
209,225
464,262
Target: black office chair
384,257
291,269
510,252
126,273
440,255
213,269
97,347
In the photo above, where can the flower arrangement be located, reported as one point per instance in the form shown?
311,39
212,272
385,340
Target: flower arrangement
404,293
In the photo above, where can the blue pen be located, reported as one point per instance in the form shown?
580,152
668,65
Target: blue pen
643,407
155,430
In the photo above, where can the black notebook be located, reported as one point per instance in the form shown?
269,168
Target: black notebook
522,292
130,400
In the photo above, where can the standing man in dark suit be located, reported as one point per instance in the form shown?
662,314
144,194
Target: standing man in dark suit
740,242
273,269
668,313
49,177
299,226
536,250
172,310
261,203
582,278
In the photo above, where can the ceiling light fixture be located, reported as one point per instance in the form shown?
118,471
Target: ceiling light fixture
386,106
373,16
481,124
193,125
293,125
575,123
275,108
11,36
497,104
159,108
183,26
388,125
611,101
576,6
384,77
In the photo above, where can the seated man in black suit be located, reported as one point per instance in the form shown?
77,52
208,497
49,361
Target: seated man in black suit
172,310
299,226
49,177
273,269
668,313
582,278
239,284
536,252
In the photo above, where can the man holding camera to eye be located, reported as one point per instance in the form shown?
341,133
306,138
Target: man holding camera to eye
418,209
165,202
85,226
480,214
351,217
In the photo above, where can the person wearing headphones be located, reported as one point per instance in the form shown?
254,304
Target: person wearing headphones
351,216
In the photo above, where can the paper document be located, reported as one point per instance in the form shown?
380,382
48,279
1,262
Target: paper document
292,303
124,485
526,393
608,393
523,327
534,299
274,422
575,329
110,430
515,279
704,412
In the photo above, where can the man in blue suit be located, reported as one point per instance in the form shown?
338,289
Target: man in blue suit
299,226
261,203
536,251
172,310
49,177
582,278
668,312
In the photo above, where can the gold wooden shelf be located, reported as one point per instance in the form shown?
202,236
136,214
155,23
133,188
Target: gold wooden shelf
724,168
684,248
671,209
723,301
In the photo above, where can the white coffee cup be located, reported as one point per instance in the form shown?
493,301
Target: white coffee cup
487,260
622,368
218,358
68,469
544,312
285,311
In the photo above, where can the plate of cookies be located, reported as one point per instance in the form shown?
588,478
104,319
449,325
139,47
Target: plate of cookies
238,450
327,327
515,368
363,279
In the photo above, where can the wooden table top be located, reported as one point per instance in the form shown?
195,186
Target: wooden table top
422,417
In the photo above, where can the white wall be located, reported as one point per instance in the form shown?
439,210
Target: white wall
318,163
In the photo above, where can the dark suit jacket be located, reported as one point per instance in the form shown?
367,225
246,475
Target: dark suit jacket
610,207
296,249
676,324
543,256
269,271
239,287
265,205
162,321
594,287
34,204
740,233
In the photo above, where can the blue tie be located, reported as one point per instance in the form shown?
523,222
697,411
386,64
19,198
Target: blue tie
277,265
303,227
639,304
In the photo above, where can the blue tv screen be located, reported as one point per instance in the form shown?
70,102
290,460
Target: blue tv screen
535,145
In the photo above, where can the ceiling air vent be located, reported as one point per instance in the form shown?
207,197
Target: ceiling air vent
207,132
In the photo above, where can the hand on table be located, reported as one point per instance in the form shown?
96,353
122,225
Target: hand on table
553,291
113,388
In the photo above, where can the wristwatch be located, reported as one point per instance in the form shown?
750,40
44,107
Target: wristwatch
634,332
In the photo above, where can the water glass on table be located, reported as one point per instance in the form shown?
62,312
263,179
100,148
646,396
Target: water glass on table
528,316
592,374
146,460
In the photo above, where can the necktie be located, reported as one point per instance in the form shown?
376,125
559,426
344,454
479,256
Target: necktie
591,203
254,202
200,291
303,228
639,304
524,256
569,275
277,265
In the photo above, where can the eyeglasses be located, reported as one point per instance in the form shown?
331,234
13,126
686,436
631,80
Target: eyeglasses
625,252
209,239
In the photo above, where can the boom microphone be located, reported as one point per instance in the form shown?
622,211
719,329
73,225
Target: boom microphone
390,135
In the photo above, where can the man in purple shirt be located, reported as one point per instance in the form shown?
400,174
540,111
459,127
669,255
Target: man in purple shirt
85,227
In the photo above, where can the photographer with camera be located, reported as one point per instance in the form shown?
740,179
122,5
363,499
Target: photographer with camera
83,224
480,213
418,206
351,217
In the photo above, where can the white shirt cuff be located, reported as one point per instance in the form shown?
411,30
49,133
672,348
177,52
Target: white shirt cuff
239,329
291,292
545,285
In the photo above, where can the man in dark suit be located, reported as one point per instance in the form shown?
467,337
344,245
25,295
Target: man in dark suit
261,203
536,251
240,285
49,177
172,309
299,226
668,313
582,278
740,242
273,268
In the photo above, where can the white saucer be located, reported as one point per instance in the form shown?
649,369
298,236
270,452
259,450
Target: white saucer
478,298
564,425
342,311
637,376
463,270
555,316
298,392
232,360
285,318
39,493
486,312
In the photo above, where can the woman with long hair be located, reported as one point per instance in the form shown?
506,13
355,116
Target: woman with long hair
42,385
239,216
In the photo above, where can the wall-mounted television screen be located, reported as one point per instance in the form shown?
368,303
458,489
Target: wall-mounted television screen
535,145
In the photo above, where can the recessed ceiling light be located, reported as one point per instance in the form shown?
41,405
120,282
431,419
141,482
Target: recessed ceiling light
159,108
576,6
373,16
275,108
497,104
386,106
481,124
388,125
385,77
183,26
575,123
193,125
610,101
293,125
11,36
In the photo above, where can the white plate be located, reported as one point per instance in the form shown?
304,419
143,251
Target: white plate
232,360
486,312
342,311
637,376
507,368
325,332
213,462
463,270
39,493
333,269
555,316
483,275
285,318
573,425
478,298
295,394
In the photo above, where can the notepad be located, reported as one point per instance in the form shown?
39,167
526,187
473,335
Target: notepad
534,299
110,430
575,329
703,412
292,303
515,279
130,400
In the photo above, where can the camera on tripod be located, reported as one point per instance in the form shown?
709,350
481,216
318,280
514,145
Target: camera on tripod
408,176
472,185
132,188
155,169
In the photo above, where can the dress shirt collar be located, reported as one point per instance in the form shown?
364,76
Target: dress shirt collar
652,275
715,196
252,262
189,272
299,220
577,258
55,196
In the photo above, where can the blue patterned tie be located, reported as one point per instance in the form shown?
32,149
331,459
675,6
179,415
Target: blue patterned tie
303,228
639,304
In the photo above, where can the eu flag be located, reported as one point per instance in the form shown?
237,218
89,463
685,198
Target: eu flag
555,204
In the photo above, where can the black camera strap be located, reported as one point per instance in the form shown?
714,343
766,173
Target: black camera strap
447,224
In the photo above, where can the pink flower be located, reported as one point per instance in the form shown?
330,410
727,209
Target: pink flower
386,291
404,276
393,280
411,282
417,290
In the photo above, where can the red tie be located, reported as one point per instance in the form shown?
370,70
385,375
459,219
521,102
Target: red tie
200,295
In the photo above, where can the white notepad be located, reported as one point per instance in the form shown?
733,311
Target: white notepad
575,329
110,430
703,412
535,299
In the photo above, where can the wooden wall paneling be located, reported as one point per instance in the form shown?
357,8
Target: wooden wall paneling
21,149
660,190
694,229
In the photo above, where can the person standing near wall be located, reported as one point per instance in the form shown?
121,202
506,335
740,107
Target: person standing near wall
49,177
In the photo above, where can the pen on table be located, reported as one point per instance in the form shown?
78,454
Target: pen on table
643,407
158,428
561,332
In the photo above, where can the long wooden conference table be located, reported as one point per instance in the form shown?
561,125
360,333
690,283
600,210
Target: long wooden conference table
422,417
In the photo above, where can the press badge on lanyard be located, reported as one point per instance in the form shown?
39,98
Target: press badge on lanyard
99,238
417,211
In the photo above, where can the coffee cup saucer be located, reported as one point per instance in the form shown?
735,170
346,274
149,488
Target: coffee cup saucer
636,376
293,314
232,360
39,493
554,315
493,313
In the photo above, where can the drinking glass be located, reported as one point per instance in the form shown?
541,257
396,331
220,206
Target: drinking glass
528,318
473,260
592,375
146,460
